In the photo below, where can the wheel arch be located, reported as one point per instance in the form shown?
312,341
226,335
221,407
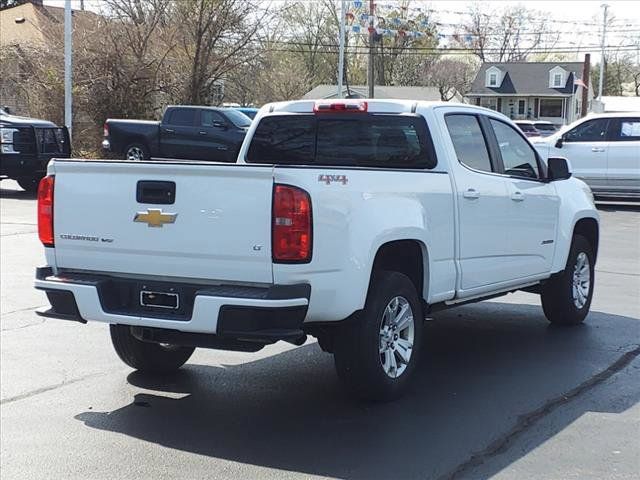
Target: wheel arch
407,256
588,228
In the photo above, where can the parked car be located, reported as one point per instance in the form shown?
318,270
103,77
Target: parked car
545,128
248,111
185,132
527,128
604,151
347,220
27,145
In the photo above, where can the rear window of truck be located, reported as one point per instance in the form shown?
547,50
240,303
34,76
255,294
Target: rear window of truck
385,141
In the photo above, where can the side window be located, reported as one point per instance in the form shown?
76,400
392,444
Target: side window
518,157
468,141
628,129
183,117
208,117
591,131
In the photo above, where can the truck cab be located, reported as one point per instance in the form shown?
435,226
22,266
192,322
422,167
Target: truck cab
27,145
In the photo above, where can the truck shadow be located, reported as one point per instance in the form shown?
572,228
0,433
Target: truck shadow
17,193
484,367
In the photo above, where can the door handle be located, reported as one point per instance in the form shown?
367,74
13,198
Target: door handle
597,149
517,196
471,193
202,132
169,130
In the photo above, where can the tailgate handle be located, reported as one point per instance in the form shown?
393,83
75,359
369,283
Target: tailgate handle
156,192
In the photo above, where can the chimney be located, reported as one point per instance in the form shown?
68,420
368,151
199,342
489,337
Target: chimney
586,72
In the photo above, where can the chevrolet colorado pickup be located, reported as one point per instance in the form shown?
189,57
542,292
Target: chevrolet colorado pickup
185,132
346,220
27,145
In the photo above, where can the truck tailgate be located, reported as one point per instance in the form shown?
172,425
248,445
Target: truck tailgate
217,228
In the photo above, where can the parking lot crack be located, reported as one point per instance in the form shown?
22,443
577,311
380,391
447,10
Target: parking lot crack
527,420
49,388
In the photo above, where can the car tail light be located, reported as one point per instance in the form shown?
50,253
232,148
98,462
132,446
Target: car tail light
45,210
341,106
105,130
291,229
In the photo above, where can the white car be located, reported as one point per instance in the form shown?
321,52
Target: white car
346,220
604,151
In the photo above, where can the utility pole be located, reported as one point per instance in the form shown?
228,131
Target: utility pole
370,79
68,117
343,11
604,32
586,71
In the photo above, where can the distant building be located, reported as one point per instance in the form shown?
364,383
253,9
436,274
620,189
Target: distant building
392,92
616,104
28,28
550,91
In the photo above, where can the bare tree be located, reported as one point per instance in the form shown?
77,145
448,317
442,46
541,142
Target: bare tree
510,35
450,76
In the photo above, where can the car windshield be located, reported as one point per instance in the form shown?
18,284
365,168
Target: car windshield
239,119
547,127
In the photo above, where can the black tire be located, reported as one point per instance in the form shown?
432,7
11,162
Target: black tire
147,357
357,343
136,152
29,184
557,294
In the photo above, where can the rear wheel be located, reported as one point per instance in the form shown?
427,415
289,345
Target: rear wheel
566,297
147,357
376,354
136,152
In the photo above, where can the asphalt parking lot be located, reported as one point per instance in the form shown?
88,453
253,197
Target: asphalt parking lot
500,393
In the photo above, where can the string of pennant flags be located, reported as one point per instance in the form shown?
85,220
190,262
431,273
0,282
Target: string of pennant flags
403,25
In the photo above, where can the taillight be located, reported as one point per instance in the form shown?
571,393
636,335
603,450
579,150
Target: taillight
45,210
105,130
291,227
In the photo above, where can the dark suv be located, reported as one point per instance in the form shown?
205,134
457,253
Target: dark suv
27,145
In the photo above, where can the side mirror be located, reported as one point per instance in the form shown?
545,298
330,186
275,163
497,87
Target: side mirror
7,109
558,169
221,125
559,142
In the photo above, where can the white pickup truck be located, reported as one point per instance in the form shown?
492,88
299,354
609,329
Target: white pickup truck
346,220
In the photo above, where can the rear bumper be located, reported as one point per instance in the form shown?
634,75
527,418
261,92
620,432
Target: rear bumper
245,313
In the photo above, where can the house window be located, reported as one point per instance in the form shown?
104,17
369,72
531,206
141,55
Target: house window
521,105
551,107
493,79
557,80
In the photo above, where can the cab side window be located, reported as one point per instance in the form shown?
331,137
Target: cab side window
518,157
590,131
468,141
209,117
627,130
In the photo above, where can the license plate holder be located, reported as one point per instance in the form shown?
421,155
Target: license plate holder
156,299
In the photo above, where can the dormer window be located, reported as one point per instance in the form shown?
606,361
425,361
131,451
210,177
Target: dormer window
493,78
557,77
557,80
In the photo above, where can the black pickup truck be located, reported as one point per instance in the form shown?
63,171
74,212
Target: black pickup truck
27,145
185,132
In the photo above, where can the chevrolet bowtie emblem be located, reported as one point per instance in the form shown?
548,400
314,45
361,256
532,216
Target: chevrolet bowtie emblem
154,217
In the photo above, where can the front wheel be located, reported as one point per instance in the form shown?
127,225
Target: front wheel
29,184
147,357
566,297
376,354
